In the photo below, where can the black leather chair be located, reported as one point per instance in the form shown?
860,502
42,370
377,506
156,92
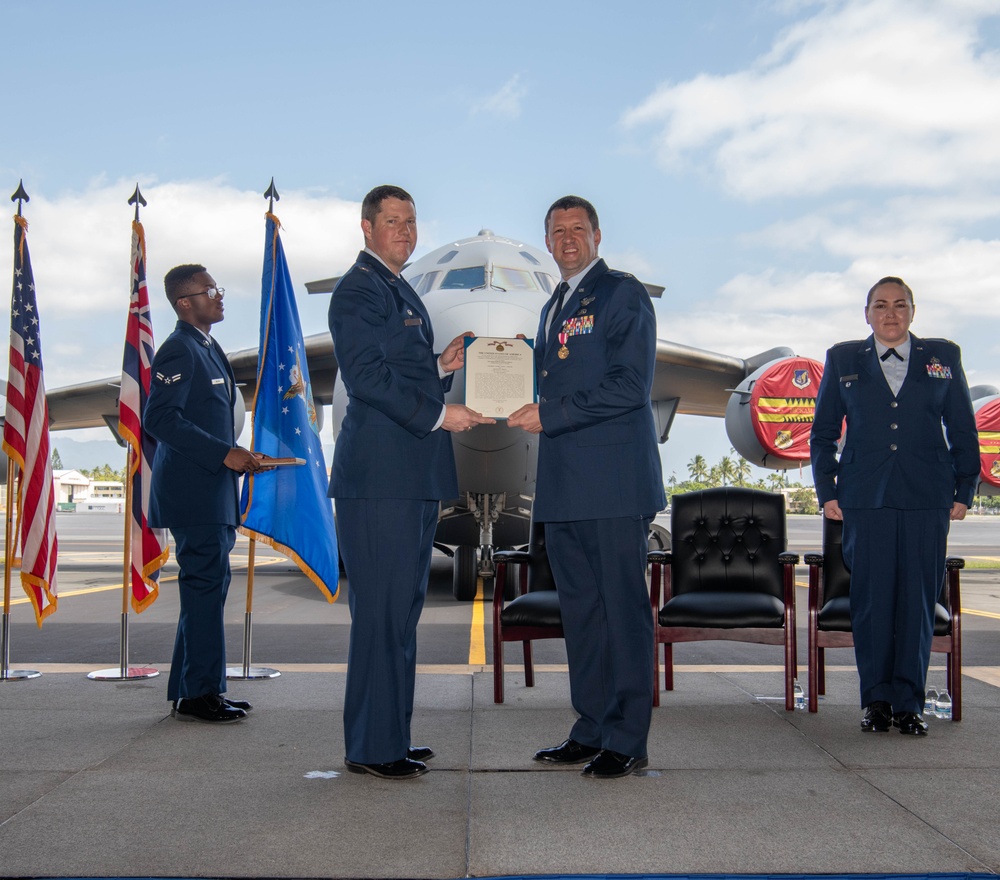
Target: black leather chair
830,615
726,576
533,614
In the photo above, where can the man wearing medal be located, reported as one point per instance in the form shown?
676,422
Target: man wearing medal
599,485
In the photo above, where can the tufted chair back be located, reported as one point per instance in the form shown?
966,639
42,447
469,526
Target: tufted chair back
728,540
726,576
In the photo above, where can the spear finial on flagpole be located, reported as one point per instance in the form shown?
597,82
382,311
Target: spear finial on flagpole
21,196
137,199
272,194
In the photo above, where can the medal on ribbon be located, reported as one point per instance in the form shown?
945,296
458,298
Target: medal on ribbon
563,350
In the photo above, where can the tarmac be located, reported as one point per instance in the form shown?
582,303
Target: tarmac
99,780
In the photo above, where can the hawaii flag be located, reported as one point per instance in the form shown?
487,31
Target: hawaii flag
288,507
26,437
148,549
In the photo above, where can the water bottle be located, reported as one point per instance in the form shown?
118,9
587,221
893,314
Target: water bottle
931,702
944,705
800,695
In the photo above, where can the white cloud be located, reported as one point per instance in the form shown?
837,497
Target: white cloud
80,244
505,102
876,93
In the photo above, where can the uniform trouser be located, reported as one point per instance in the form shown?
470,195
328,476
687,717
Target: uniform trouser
386,546
896,559
600,573
199,662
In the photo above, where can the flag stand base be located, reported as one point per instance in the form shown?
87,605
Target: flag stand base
6,673
19,674
124,672
246,672
129,673
250,673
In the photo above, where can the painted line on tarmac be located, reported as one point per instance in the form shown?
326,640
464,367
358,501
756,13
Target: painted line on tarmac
86,591
477,628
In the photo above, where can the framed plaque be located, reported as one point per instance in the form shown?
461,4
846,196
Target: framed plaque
499,374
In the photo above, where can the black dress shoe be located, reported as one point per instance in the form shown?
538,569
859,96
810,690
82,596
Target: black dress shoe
404,768
570,752
208,708
877,718
236,704
910,723
420,753
611,765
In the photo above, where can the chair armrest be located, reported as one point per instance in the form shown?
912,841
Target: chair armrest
954,562
814,559
788,558
501,559
663,557
511,556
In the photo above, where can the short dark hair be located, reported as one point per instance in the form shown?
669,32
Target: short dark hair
889,279
567,202
176,278
372,205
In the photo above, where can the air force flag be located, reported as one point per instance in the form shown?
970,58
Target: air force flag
288,507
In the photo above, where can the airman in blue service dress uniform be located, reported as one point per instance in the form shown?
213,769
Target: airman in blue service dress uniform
194,488
392,464
898,482
599,485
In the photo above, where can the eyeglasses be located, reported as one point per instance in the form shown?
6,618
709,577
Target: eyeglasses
211,293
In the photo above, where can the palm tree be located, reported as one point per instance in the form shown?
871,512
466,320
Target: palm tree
698,469
742,471
727,470
776,480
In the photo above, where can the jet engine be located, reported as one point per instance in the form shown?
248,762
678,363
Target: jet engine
770,413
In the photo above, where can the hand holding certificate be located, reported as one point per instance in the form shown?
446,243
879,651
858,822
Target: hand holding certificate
499,375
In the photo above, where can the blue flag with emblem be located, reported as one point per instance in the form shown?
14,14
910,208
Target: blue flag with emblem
287,507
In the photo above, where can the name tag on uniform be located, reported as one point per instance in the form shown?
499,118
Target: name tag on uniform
218,381
413,322
850,378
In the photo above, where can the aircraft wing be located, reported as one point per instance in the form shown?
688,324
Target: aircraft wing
703,380
95,404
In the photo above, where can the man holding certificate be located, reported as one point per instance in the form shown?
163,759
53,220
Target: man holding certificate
392,464
599,485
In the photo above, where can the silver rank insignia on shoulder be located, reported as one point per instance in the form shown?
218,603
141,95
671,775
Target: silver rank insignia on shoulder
168,380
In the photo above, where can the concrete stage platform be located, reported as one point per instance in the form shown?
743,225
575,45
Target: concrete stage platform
99,780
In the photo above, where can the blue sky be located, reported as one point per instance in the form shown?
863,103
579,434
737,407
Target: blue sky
765,161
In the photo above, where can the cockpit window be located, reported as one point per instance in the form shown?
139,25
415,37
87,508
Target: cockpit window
463,279
513,279
547,282
426,282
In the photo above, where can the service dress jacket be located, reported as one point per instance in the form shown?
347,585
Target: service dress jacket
597,453
917,450
384,344
190,413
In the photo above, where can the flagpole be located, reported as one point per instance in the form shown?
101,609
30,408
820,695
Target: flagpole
6,673
248,672
124,672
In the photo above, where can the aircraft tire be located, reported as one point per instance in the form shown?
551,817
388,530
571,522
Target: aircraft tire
465,573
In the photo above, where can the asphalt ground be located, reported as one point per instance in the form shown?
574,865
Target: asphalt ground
292,622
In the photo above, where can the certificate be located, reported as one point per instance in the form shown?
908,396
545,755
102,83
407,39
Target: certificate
499,375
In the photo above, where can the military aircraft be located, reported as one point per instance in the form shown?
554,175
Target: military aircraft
496,286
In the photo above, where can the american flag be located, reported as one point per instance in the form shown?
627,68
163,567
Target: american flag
148,546
26,437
